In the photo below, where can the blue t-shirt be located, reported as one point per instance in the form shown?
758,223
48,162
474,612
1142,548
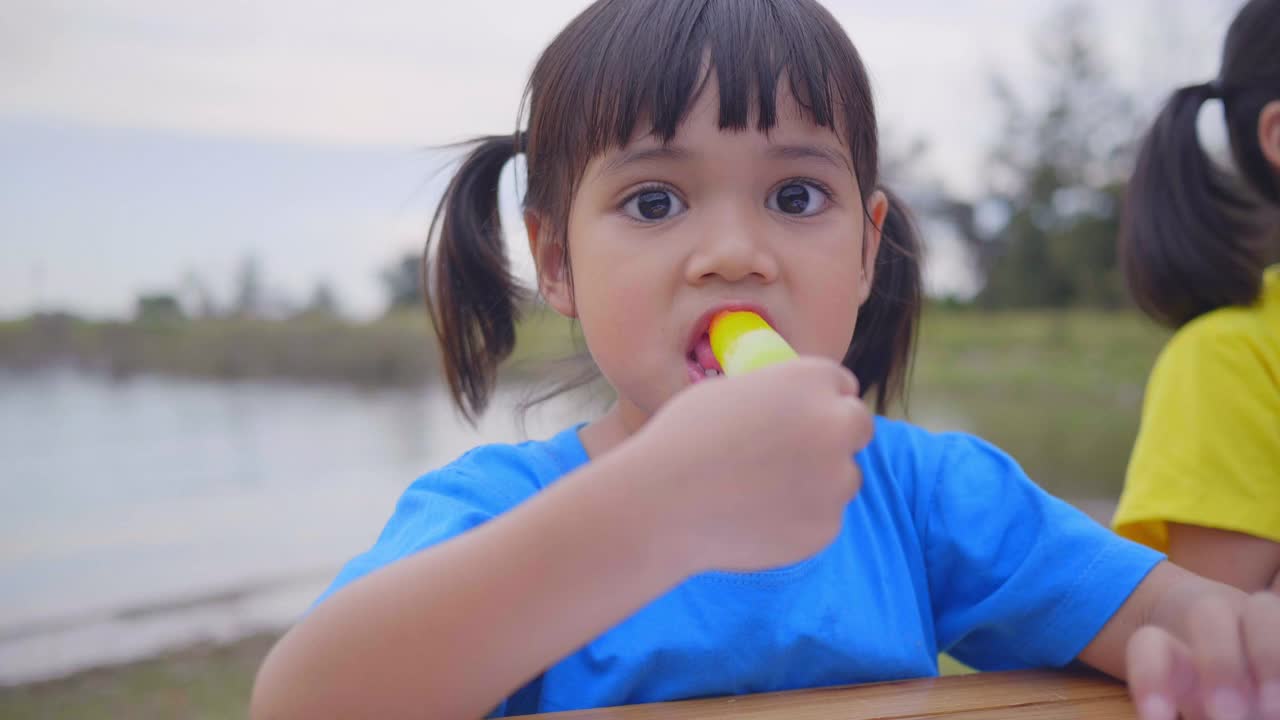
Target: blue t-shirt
947,547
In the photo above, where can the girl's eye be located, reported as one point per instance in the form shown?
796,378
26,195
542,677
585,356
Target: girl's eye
653,204
798,198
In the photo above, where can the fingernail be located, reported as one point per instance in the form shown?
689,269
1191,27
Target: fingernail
1269,697
1157,707
1227,704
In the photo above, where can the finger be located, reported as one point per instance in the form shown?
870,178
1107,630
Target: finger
846,381
1261,624
863,424
1221,664
852,422
851,484
1160,672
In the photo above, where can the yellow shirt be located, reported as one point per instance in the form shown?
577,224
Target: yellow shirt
1208,450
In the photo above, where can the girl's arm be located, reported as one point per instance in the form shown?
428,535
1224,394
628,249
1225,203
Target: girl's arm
1245,561
710,481
1190,644
451,631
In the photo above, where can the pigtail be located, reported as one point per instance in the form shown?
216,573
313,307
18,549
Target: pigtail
470,293
1189,235
884,339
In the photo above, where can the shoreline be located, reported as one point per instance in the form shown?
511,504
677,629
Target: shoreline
207,679
61,649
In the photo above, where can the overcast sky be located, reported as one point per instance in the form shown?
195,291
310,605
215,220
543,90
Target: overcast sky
141,140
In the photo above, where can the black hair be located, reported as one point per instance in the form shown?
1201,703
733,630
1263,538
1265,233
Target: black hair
1194,238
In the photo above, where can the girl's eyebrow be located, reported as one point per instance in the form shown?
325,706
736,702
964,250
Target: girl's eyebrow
818,152
675,153
631,157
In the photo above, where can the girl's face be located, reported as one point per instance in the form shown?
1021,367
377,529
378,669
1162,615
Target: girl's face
663,236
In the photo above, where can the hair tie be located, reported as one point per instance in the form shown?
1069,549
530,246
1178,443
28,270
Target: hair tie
1214,89
522,141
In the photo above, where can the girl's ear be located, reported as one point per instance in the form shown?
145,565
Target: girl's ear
1269,133
552,270
878,209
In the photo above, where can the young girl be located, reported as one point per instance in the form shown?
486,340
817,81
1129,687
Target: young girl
1204,480
710,535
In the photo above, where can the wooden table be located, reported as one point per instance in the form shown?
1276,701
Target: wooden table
1027,695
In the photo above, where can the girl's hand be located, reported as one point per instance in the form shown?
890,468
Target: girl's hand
1226,667
755,471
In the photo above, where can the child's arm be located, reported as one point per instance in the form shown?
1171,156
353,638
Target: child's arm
710,481
1248,562
1189,643
452,630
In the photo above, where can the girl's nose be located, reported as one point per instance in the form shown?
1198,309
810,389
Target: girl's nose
731,249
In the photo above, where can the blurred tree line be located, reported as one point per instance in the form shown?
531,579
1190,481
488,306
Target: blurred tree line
252,299
1043,229
1042,233
1056,179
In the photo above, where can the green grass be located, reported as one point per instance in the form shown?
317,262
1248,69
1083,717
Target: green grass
393,351
202,683
399,349
1061,392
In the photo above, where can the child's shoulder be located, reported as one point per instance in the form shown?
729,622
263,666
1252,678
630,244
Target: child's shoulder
896,434
909,449
536,461
1233,342
1237,323
947,478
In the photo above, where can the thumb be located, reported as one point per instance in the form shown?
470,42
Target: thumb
846,382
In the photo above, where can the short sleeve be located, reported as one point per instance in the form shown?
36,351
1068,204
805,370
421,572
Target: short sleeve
441,505
1208,449
479,486
1017,577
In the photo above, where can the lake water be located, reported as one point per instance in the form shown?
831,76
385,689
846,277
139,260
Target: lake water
144,515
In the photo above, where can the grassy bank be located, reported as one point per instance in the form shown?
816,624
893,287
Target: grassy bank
1061,392
200,683
398,349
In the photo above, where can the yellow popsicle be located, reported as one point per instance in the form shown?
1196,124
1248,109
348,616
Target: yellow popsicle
742,341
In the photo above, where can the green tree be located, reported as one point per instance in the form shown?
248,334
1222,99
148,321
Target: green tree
250,298
194,295
158,308
1058,171
323,302
402,282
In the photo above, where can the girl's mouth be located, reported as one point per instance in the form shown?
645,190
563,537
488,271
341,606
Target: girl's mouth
701,362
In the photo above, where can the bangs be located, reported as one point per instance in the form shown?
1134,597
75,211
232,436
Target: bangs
637,66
